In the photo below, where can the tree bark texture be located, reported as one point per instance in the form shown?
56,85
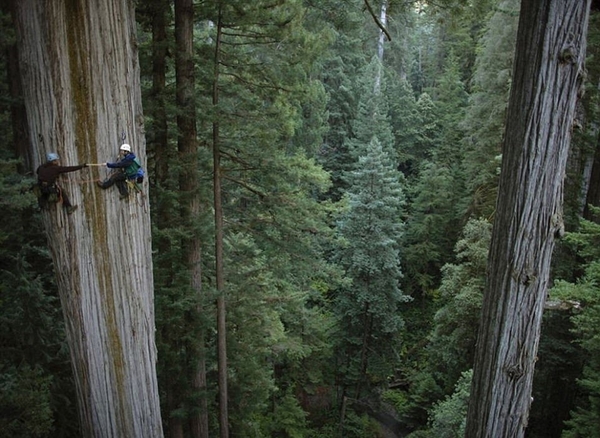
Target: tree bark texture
547,73
81,88
190,187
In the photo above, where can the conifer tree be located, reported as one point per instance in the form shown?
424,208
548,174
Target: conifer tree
82,95
486,113
434,222
372,116
451,98
452,341
369,308
38,395
584,314
342,63
405,120
430,229
529,213
261,94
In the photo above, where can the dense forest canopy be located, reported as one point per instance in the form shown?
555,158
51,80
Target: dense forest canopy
313,229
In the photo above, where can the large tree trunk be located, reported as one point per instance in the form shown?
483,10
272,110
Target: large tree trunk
81,90
549,58
190,188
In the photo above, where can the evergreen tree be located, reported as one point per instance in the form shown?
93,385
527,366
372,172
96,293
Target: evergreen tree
529,209
582,298
270,187
430,228
434,362
340,69
452,341
448,417
485,116
369,308
93,86
372,117
451,98
37,396
428,130
405,120
434,222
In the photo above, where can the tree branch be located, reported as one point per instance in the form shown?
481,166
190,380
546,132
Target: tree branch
377,21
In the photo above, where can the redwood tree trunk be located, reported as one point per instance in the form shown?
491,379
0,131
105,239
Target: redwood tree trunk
190,188
81,88
549,57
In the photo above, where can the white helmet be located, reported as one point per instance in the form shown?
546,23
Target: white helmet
125,147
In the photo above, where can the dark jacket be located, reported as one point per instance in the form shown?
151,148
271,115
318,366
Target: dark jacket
48,173
130,165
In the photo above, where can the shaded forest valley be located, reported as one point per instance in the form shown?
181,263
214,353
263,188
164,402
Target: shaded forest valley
359,148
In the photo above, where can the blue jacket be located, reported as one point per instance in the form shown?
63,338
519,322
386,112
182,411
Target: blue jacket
130,165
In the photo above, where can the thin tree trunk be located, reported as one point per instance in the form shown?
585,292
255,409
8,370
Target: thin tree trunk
381,45
173,399
367,325
189,185
221,303
81,90
549,58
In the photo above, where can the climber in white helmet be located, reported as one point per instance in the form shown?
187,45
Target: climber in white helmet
128,168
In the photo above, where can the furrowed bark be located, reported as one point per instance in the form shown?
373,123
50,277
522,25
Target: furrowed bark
81,87
549,59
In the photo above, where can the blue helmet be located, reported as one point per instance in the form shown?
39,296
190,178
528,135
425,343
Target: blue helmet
52,156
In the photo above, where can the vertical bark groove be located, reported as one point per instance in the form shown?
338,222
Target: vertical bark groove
81,89
535,152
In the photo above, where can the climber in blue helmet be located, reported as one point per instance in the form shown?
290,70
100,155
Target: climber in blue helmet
48,187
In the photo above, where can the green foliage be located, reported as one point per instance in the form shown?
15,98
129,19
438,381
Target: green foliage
448,418
485,116
360,426
451,99
372,116
296,92
421,393
368,309
340,71
288,419
432,366
452,343
584,295
431,229
271,115
37,395
25,404
405,120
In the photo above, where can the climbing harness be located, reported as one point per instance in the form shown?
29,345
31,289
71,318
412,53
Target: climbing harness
51,191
